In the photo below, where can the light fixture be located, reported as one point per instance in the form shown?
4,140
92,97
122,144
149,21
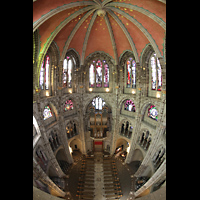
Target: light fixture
107,89
128,149
70,150
90,89
47,93
133,91
158,95
70,91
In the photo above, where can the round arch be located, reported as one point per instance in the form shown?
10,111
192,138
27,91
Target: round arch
137,155
121,103
76,144
145,106
68,97
88,102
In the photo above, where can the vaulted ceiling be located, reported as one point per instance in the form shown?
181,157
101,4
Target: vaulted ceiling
100,25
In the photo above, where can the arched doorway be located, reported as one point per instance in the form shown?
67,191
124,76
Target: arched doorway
122,148
76,149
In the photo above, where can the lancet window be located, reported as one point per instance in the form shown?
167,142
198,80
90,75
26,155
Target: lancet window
130,73
45,73
99,74
156,74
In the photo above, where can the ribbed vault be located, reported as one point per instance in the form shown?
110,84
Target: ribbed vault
109,26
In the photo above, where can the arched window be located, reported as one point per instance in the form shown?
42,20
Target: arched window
68,105
156,74
91,76
68,65
47,113
131,73
44,73
153,113
98,72
98,103
129,105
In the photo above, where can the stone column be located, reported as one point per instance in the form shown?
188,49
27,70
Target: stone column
62,130
134,138
160,172
82,132
41,175
60,72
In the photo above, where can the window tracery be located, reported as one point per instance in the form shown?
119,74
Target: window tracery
98,103
153,113
156,73
47,113
44,73
131,73
99,72
129,105
68,105
68,65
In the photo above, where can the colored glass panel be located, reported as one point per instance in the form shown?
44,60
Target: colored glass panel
47,112
129,105
153,113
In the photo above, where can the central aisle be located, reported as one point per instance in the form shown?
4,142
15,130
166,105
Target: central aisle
98,176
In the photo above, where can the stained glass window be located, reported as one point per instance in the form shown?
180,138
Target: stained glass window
156,74
99,73
70,73
91,76
131,73
106,76
153,113
98,103
159,75
68,64
129,105
42,76
153,73
45,73
47,112
65,73
68,105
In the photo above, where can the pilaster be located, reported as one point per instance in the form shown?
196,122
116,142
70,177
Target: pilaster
63,132
82,132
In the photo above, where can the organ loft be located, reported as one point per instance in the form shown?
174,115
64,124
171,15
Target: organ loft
99,99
